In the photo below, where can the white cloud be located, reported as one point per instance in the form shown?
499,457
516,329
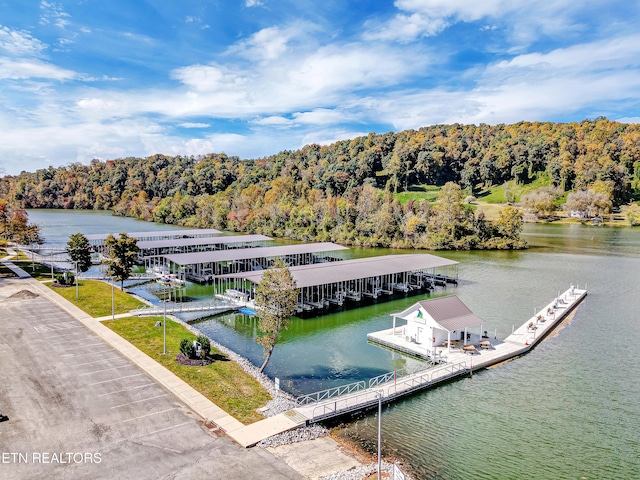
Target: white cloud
19,43
528,87
253,3
25,69
194,125
53,13
522,19
272,120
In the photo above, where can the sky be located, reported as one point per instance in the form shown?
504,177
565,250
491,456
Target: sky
96,79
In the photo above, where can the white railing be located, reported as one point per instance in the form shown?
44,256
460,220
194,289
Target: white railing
330,393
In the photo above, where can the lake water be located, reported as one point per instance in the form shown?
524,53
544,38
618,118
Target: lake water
568,410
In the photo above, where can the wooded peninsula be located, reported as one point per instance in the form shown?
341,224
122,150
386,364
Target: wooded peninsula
411,189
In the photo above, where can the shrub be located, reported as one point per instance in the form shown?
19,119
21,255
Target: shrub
65,278
186,347
206,344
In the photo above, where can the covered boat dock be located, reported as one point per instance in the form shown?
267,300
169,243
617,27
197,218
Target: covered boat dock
96,240
324,284
204,266
153,253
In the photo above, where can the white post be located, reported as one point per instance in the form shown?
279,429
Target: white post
76,262
379,435
113,304
164,327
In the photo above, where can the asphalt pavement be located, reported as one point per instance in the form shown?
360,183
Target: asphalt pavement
78,408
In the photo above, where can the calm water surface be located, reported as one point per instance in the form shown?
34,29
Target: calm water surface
568,410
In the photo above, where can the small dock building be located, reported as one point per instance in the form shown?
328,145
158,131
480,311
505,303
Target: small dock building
429,324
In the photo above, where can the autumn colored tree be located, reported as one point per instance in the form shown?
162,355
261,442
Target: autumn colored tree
276,299
510,225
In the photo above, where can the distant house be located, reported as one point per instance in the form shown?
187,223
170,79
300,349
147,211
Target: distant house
434,322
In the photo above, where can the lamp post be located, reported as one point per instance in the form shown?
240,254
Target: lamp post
76,262
379,395
113,304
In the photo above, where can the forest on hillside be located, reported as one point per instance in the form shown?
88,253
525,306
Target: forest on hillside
347,192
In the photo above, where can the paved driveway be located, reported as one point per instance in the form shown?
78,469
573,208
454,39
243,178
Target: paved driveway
78,409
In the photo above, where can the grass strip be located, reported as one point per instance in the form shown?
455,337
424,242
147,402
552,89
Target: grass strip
223,382
94,297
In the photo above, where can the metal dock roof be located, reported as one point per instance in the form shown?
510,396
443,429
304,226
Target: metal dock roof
182,242
346,270
158,233
249,253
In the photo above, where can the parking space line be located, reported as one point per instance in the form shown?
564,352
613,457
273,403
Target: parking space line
138,401
164,429
84,354
104,370
84,345
149,415
126,389
115,379
66,341
101,360
40,339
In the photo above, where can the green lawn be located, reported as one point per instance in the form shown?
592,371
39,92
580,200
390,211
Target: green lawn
223,382
497,193
94,297
427,193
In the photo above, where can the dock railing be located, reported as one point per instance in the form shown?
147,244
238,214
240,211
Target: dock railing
410,383
403,372
330,393
356,401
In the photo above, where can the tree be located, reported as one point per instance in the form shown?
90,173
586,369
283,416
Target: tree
15,226
510,224
541,201
79,252
588,203
276,299
123,253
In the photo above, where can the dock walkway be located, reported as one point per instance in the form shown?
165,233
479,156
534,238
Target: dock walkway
456,363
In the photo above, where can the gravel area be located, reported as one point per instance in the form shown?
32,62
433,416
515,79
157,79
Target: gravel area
293,436
360,473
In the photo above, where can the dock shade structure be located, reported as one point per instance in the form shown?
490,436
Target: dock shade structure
204,266
321,285
437,321
96,240
152,252
157,234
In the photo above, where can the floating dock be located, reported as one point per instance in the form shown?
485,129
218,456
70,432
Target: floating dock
362,396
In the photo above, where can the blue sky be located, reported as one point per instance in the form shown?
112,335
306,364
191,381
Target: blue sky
84,79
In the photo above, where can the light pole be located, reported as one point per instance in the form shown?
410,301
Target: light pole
379,435
76,262
164,327
113,304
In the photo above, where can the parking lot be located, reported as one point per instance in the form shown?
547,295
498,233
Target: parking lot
78,409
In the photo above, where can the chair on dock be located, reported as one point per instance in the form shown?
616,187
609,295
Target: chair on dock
485,344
